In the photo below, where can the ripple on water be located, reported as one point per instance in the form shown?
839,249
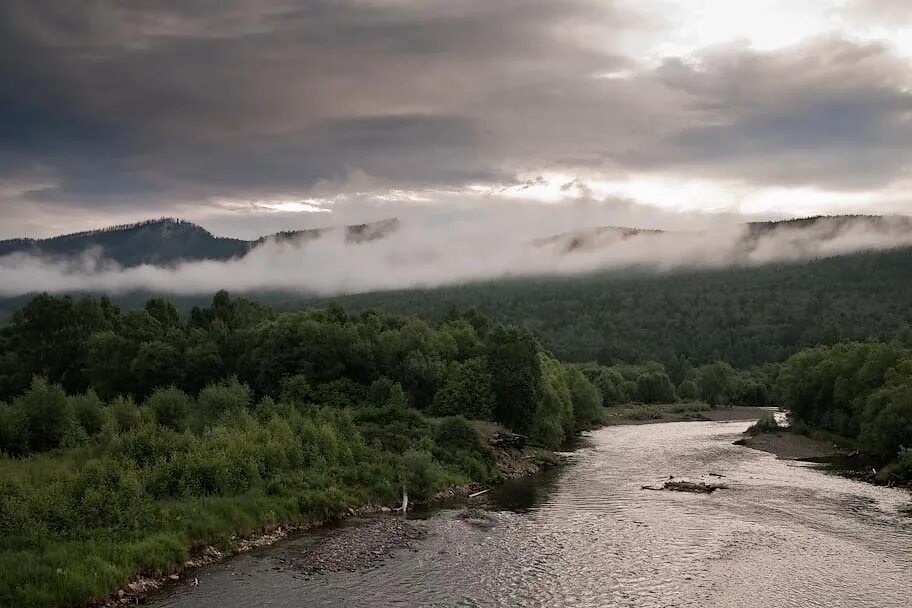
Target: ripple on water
784,534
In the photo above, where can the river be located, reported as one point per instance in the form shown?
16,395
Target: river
784,534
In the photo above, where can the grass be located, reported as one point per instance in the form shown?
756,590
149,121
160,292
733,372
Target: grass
646,413
635,412
691,407
76,524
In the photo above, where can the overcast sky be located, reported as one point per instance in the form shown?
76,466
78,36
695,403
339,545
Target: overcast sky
250,117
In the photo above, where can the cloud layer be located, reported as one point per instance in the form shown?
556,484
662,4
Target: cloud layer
457,252
114,111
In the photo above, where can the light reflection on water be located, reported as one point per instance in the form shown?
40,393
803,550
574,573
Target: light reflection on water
784,534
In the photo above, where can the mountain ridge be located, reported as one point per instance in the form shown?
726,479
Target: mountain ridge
171,241
168,241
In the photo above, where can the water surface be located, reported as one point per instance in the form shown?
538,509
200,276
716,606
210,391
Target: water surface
785,534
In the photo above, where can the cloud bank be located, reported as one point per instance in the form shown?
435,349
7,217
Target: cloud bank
113,112
433,255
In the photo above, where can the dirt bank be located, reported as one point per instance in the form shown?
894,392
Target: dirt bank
789,446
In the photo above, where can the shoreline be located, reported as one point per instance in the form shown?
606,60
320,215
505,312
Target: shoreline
515,464
785,445
629,416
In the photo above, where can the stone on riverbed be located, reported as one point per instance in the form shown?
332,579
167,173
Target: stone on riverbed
354,548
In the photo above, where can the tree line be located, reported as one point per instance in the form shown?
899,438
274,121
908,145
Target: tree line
861,392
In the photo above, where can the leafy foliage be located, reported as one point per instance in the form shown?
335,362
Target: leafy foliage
157,432
858,390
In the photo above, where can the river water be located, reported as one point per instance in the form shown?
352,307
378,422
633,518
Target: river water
784,534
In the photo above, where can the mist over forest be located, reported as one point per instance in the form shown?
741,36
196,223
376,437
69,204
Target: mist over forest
175,257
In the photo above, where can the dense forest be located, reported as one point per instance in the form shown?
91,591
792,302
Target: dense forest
746,316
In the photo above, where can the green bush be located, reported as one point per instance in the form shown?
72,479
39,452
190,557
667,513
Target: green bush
89,411
655,387
14,438
226,396
421,474
170,407
899,469
645,413
49,415
688,391
766,424
126,414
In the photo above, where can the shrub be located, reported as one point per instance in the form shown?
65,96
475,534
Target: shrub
48,413
421,475
766,424
170,407
644,413
13,430
466,392
89,411
655,387
226,396
126,414
587,400
900,469
688,391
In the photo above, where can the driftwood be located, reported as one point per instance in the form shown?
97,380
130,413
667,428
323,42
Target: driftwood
688,486
508,440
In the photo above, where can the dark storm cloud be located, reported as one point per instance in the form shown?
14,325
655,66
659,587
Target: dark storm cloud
828,113
208,97
145,105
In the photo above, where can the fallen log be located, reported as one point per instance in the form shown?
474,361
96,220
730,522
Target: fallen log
688,486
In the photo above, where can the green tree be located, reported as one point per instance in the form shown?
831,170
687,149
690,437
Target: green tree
586,400
689,391
48,413
226,396
553,422
156,364
89,411
716,382
887,425
516,376
14,433
655,387
466,392
170,407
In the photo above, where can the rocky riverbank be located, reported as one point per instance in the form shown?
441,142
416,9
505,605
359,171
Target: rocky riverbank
349,549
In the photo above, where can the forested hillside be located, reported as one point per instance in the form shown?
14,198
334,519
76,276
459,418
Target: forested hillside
746,316
168,241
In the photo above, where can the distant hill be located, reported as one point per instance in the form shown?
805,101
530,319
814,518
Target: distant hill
169,241
799,234
158,242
